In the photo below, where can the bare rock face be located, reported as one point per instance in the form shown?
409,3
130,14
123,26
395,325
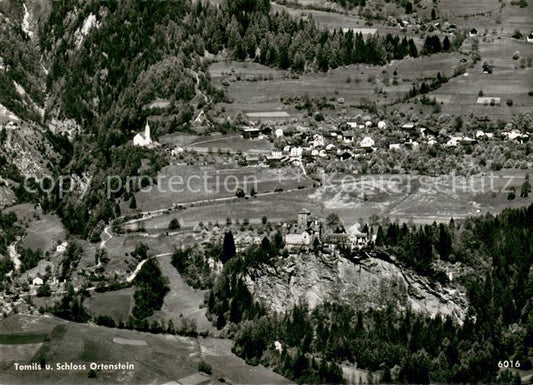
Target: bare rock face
368,282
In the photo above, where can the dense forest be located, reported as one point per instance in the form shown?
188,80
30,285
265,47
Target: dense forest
398,345
8,234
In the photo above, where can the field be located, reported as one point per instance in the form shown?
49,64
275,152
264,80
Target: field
420,200
44,231
116,304
354,84
276,207
182,302
150,354
189,184
232,144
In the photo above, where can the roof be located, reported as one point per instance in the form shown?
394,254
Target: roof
304,211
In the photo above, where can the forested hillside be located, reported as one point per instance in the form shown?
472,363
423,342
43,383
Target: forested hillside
399,345
108,61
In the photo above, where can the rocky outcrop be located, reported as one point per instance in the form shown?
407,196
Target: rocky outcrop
370,280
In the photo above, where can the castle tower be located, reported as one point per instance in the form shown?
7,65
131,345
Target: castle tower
303,218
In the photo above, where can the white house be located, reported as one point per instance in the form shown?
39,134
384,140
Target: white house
298,239
276,154
296,152
394,146
278,133
530,38
318,140
37,281
367,142
352,124
408,126
143,139
382,125
454,141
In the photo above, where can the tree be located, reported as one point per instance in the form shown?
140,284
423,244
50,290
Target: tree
526,188
433,14
446,45
511,193
228,247
133,202
239,193
174,224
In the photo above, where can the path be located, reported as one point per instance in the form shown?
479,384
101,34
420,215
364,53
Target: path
140,265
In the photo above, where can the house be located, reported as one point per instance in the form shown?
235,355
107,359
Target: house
356,237
348,137
473,32
318,140
251,133
296,152
276,154
143,139
37,281
278,133
466,140
529,38
432,141
454,141
408,126
331,147
297,239
352,125
367,142
514,135
382,125
394,146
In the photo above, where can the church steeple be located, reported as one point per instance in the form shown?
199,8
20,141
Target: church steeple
147,132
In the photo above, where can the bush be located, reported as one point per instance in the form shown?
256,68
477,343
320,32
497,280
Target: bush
239,193
174,224
205,367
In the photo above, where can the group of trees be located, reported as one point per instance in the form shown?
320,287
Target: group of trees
151,290
433,44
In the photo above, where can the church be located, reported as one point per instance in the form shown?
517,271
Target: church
143,139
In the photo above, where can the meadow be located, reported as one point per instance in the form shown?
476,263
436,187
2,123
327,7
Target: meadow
149,353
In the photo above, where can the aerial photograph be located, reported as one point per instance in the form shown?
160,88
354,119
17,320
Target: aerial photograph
266,192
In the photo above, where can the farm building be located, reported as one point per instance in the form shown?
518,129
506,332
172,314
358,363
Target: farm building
251,133
367,142
488,100
143,139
